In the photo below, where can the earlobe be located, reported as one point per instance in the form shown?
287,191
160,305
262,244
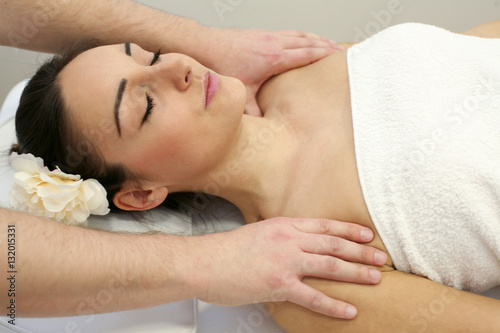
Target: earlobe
140,199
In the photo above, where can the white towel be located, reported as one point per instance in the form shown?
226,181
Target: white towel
426,118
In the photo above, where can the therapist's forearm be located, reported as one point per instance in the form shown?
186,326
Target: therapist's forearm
50,25
66,270
61,270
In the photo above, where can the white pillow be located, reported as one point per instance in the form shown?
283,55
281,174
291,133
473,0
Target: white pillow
7,138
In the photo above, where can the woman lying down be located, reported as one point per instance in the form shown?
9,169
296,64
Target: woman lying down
401,133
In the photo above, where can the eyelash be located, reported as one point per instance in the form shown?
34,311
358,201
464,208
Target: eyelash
149,99
156,57
149,108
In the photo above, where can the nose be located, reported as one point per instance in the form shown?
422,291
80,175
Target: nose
175,68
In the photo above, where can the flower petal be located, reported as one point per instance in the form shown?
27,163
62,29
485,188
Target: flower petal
64,176
26,162
95,196
55,194
80,215
53,178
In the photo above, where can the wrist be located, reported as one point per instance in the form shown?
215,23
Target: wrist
180,35
195,270
205,45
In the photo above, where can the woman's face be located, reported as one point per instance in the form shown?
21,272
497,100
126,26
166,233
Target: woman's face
172,121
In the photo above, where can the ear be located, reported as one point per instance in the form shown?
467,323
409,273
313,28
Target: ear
130,198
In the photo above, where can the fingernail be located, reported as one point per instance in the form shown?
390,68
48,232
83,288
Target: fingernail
380,257
375,275
366,234
350,311
340,48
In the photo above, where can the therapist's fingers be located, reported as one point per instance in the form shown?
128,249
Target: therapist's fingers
305,43
347,230
294,58
344,249
297,49
298,34
252,107
315,300
332,268
333,238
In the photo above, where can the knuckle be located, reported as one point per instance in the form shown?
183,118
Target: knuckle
276,281
313,42
352,231
316,301
367,254
274,58
309,53
332,264
337,309
358,274
269,39
280,235
301,34
335,243
310,265
323,226
361,274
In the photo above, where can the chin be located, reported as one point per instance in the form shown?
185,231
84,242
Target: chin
236,95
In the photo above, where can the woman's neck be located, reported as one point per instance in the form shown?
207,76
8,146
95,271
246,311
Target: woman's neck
256,172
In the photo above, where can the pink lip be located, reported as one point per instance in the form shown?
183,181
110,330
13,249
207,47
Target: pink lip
210,86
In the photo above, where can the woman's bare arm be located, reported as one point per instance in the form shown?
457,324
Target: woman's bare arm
486,30
400,303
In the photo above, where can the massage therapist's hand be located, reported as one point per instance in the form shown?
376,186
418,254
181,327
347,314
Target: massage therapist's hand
266,261
253,56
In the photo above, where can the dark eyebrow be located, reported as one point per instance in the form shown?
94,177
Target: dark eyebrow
119,94
118,100
127,49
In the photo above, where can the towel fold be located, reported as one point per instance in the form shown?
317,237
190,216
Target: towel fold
426,118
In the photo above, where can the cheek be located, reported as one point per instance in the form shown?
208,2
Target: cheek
168,150
143,162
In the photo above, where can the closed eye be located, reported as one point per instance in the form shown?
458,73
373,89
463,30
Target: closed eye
150,101
149,108
155,58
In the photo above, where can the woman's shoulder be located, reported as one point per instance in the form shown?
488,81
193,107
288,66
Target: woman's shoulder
301,89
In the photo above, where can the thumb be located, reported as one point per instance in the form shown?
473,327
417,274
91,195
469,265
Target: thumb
251,107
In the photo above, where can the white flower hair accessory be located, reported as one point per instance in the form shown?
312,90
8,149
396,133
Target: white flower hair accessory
54,194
